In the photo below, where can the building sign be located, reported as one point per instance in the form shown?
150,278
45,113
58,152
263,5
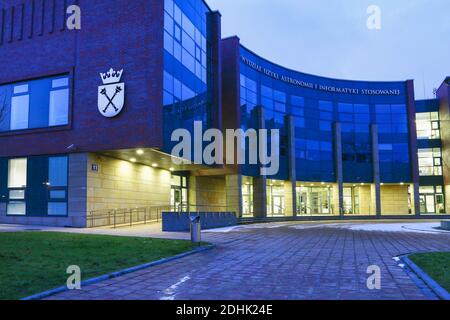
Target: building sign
318,86
111,96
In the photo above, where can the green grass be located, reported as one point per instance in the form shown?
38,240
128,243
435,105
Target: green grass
32,262
436,265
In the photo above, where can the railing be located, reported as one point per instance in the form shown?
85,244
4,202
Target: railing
117,218
125,217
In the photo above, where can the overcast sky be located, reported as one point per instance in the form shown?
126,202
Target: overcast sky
330,37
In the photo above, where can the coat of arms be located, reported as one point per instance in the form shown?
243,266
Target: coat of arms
111,96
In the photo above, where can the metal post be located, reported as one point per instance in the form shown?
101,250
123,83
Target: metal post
145,215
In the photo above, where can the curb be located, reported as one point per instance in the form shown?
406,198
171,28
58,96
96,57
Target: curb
433,285
51,292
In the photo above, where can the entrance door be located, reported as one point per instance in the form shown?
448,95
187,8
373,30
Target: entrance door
176,198
278,205
427,203
431,205
315,203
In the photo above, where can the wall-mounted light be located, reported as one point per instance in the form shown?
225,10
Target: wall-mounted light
140,152
133,160
154,165
172,169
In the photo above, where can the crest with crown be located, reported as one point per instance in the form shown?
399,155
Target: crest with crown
111,76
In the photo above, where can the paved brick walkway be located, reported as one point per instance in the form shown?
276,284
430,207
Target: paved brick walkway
279,263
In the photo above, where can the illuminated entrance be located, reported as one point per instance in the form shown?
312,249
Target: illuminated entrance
314,200
432,200
179,193
276,204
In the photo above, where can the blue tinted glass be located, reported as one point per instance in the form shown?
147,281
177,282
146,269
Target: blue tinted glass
383,108
345,107
325,105
298,101
57,171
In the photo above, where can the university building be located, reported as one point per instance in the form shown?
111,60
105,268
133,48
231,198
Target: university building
87,116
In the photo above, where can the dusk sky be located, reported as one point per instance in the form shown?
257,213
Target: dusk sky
330,38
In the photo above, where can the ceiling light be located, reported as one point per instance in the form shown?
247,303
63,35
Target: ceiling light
133,159
140,152
154,165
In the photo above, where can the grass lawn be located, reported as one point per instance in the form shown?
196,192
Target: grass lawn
436,265
32,262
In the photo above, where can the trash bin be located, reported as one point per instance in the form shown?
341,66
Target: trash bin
196,229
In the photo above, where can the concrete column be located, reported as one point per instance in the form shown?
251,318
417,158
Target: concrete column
376,187
416,199
289,199
260,197
291,190
233,185
413,145
77,189
192,192
260,182
339,166
215,38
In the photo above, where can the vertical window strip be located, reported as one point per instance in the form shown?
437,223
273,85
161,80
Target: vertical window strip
11,34
22,19
2,25
30,35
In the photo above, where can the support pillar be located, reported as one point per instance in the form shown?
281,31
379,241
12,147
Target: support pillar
260,197
339,166
413,146
233,188
376,187
260,182
291,190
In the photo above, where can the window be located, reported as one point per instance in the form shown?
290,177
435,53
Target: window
36,104
20,108
17,183
432,200
428,126
430,162
57,186
17,173
186,40
59,103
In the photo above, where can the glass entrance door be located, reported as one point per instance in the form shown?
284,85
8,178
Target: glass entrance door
314,200
278,205
179,194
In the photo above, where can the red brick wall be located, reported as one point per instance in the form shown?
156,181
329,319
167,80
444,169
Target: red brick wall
119,34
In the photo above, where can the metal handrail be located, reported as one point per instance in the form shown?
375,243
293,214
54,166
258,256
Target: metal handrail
143,215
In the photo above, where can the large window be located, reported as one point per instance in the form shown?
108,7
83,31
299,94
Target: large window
428,126
17,183
184,39
430,162
314,201
34,104
57,186
37,186
432,200
247,196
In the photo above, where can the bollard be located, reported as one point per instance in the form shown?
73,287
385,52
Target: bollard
196,229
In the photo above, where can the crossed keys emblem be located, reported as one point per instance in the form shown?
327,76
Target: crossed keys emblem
110,100
111,95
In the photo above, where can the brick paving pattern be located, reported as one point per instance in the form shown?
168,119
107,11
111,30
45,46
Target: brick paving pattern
279,263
